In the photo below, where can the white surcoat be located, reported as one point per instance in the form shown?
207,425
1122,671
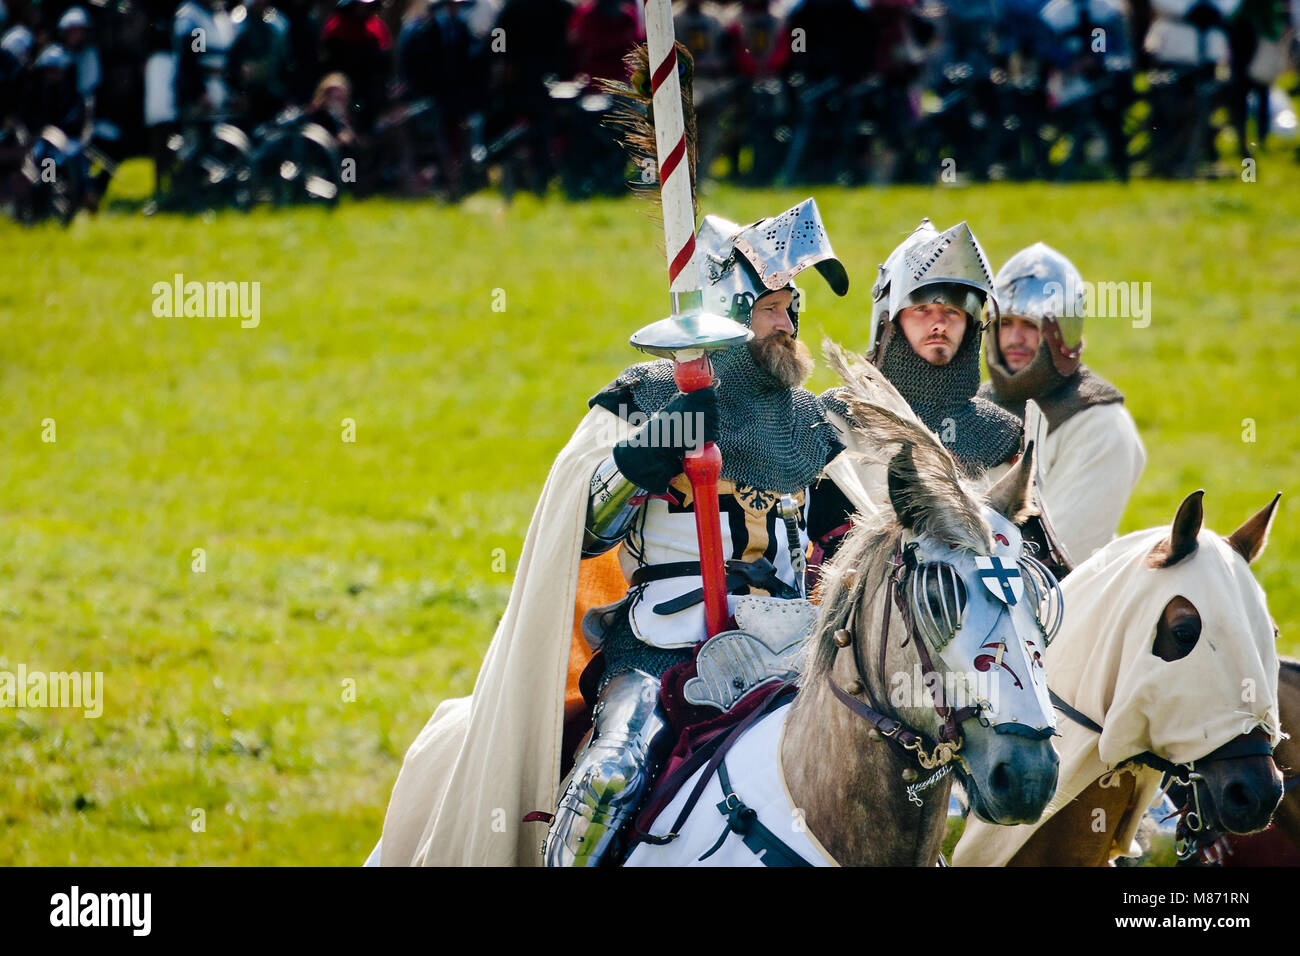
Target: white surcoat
752,528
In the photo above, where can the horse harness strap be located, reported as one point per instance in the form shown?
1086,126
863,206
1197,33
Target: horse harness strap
715,761
1147,759
766,845
895,731
1182,772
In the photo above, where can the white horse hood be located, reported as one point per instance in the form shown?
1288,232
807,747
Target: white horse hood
1182,709
1102,664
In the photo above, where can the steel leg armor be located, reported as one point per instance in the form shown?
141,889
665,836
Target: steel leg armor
612,773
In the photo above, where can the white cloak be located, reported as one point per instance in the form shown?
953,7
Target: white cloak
482,762
1089,467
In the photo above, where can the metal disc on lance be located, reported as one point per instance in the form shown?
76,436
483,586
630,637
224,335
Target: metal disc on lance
686,337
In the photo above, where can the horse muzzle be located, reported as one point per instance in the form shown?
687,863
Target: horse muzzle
1010,777
1241,793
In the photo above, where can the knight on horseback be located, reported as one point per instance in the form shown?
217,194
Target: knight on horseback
925,337
774,443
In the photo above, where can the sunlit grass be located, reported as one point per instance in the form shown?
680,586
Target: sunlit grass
333,565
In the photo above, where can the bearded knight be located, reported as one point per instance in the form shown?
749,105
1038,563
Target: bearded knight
774,443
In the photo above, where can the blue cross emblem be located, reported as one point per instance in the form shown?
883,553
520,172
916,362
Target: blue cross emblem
1004,582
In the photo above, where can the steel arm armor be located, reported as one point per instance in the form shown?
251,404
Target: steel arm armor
610,509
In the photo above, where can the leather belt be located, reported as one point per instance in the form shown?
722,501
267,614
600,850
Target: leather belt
741,577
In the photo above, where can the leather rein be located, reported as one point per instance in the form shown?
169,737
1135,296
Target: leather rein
909,742
1184,774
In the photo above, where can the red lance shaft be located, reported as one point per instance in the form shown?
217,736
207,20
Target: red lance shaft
689,333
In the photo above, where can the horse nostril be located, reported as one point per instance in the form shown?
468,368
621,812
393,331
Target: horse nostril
1237,796
1000,779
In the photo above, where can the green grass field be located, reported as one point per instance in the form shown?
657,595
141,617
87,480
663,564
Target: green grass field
369,565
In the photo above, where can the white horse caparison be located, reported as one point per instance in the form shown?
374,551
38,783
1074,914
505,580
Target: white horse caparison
1169,649
818,773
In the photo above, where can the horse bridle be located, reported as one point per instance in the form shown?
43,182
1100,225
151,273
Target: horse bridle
1191,817
908,741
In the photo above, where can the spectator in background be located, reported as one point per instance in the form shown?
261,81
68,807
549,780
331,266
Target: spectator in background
121,34
759,42
534,33
1258,60
332,107
202,34
304,51
419,46
601,32
895,58
1187,42
159,93
259,61
535,52
74,35
715,91
51,97
835,33
15,55
701,32
357,43
462,68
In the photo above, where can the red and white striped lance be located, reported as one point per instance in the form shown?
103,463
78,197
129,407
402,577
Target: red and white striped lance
670,145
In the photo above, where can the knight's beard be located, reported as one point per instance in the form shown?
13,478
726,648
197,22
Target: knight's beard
786,359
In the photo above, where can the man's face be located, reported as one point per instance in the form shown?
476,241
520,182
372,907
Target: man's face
774,347
771,314
1018,341
934,330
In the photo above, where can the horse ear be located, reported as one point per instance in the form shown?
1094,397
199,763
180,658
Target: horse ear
903,484
1012,497
1182,535
1250,538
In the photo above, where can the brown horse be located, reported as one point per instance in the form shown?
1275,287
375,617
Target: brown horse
1211,666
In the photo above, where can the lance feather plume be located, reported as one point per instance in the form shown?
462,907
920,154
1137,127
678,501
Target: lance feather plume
633,122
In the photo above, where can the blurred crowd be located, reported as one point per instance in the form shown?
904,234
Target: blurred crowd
441,96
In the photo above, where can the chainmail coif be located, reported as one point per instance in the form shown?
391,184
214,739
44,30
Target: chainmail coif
978,433
1061,397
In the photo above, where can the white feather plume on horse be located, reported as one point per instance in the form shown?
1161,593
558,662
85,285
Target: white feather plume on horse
888,427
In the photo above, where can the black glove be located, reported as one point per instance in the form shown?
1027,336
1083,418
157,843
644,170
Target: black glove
652,455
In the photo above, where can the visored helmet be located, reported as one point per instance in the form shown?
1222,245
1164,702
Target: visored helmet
1042,286
741,264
